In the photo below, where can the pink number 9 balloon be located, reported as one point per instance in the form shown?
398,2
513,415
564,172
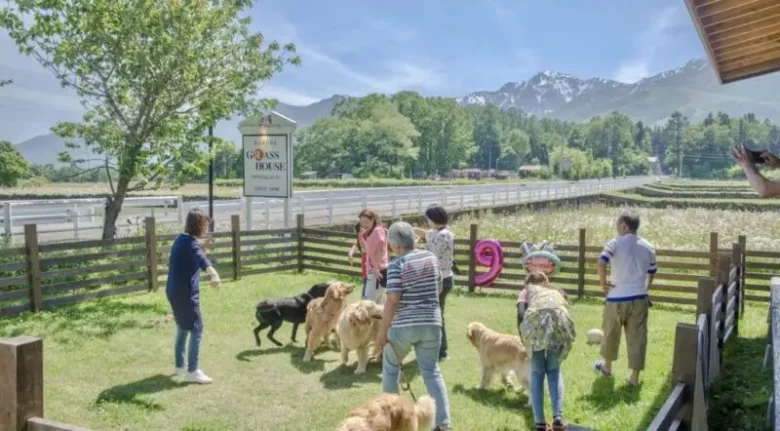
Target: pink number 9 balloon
488,252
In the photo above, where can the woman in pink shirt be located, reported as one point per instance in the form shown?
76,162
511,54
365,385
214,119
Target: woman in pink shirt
375,249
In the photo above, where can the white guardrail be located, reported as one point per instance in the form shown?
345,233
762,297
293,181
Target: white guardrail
76,218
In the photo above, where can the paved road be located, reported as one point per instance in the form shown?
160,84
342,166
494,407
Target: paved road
64,219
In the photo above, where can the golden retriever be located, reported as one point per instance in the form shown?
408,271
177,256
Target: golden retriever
500,353
389,412
322,315
357,329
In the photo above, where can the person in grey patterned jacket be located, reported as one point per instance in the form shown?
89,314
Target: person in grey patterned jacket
441,242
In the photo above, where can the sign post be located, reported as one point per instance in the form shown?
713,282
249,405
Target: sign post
268,159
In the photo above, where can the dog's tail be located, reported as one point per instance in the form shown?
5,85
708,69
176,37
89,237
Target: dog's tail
425,410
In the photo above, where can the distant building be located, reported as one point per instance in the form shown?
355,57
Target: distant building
310,175
526,171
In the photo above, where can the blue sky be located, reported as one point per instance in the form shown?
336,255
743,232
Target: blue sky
431,46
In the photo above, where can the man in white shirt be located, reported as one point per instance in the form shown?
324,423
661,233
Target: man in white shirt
633,264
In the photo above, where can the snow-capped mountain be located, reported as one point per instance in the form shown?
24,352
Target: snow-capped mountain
691,88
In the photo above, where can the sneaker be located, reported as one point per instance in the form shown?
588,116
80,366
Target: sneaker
198,377
542,426
181,371
558,424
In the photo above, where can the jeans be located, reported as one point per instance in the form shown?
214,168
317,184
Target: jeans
447,286
425,340
194,348
546,363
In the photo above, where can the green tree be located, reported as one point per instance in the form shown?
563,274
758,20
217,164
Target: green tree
13,167
385,138
322,147
152,76
514,149
4,82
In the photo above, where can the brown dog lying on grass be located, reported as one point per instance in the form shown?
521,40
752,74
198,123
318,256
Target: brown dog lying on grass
500,353
390,412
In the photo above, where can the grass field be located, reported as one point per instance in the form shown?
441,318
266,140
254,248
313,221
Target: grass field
677,229
108,368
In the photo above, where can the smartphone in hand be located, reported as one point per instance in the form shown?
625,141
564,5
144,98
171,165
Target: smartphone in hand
757,157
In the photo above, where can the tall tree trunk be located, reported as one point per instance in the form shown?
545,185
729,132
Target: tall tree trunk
114,207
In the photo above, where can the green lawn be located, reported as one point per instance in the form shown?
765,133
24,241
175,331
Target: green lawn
108,368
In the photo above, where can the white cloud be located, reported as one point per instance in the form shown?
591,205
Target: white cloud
648,43
399,74
288,96
631,72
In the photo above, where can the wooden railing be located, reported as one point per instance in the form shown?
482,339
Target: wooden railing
718,311
772,357
676,281
38,277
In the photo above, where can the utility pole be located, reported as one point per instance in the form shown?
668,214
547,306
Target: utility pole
679,148
211,179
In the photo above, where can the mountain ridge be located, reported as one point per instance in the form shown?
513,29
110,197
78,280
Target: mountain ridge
691,89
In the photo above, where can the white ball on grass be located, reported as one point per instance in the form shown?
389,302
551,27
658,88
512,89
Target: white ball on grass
594,336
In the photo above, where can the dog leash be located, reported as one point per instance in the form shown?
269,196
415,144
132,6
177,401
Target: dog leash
405,386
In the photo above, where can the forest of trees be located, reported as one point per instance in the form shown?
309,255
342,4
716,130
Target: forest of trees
409,135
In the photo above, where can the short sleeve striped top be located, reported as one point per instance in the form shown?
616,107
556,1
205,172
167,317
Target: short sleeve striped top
416,277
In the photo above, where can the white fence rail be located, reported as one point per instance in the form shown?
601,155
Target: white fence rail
75,218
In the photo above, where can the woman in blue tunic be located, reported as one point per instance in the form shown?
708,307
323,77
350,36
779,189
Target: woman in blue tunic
186,262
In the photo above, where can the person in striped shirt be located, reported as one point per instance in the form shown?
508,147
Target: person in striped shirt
633,263
412,318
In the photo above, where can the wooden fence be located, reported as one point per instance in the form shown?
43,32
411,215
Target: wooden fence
676,280
718,311
772,357
38,277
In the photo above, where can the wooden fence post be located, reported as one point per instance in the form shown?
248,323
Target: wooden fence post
686,338
713,254
33,267
743,263
581,263
151,252
736,262
704,306
21,382
299,232
235,235
472,258
724,270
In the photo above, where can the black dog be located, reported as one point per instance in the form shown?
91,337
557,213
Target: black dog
274,312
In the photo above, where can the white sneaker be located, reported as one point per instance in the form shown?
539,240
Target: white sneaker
181,371
198,377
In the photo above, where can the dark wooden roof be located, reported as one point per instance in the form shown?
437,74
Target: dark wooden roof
741,37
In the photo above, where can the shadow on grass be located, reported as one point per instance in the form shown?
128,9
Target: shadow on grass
248,354
344,376
605,393
130,393
498,398
93,319
739,398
